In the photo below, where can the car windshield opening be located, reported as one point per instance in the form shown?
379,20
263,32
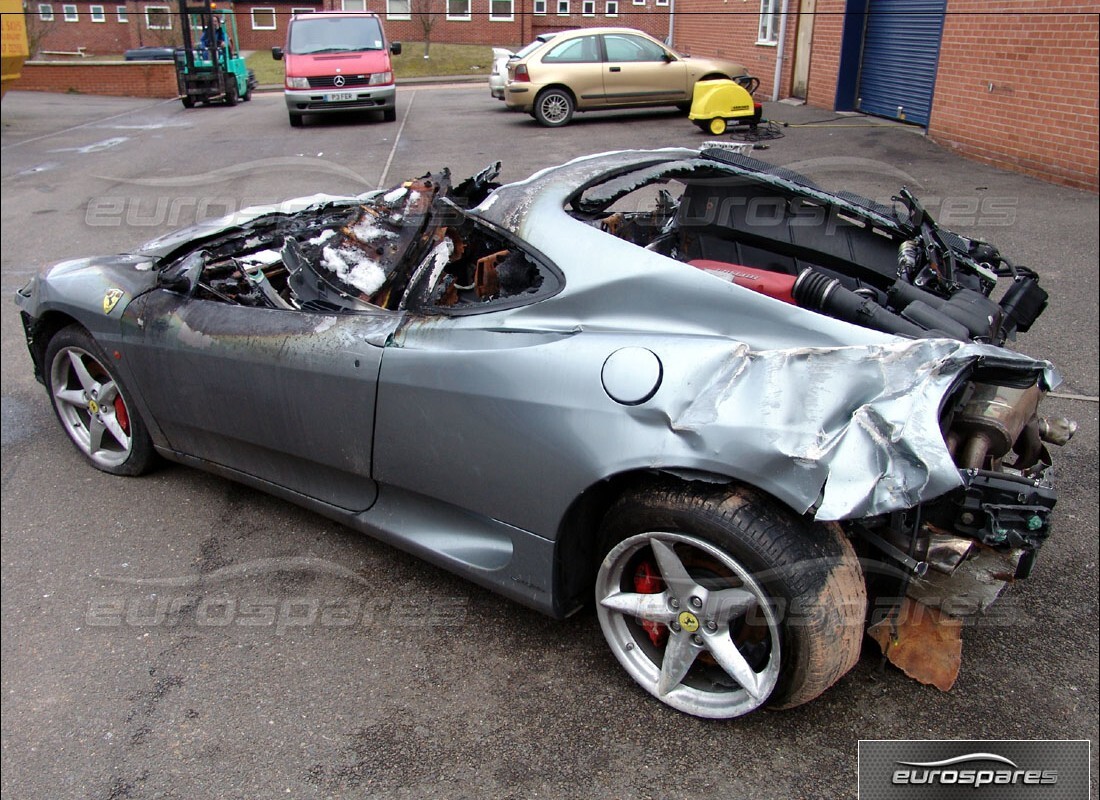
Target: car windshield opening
336,35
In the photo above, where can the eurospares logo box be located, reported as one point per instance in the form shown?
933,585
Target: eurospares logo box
973,770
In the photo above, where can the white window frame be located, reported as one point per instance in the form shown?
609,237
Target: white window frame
611,8
501,17
69,13
97,14
563,4
539,8
661,2
274,18
45,12
768,32
361,5
639,2
463,17
166,15
122,14
294,11
406,14
588,8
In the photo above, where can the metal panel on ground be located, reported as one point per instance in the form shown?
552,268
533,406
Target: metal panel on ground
901,48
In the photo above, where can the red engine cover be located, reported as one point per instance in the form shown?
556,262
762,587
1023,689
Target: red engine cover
773,284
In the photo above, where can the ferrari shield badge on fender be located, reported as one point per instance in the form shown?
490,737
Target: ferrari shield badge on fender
110,300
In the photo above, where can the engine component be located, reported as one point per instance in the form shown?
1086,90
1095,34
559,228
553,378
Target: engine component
979,316
773,284
1024,302
991,422
1003,510
817,292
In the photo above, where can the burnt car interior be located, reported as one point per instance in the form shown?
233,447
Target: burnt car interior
414,244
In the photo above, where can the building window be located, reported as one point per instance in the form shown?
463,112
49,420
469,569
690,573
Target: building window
45,12
263,19
639,2
563,8
353,5
588,8
662,2
501,10
540,6
301,11
612,8
769,22
69,13
97,14
458,9
121,14
398,9
158,18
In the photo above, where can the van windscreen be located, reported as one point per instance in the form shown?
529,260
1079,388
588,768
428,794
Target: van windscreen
335,35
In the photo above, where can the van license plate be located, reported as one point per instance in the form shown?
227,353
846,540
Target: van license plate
339,97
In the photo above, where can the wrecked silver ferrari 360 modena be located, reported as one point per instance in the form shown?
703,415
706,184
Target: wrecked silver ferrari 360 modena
725,404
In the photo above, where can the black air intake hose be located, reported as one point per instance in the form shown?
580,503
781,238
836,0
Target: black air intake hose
826,295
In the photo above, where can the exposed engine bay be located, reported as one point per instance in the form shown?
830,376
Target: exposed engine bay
891,269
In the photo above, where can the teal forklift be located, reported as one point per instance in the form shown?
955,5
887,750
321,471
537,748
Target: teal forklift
211,69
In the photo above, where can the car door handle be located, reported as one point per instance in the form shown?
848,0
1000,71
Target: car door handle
615,69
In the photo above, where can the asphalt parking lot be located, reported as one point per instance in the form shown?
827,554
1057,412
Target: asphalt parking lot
168,636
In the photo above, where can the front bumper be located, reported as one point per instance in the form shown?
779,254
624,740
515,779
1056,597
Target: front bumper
367,98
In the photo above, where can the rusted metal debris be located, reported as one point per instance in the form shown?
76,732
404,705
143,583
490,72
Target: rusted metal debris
922,642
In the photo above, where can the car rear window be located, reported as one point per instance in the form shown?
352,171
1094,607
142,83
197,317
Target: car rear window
527,49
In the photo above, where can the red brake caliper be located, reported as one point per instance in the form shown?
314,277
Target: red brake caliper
647,580
122,415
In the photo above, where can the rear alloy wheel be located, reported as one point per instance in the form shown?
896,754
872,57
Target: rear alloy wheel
92,406
720,601
554,108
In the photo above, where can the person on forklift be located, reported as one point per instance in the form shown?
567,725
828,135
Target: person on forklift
204,42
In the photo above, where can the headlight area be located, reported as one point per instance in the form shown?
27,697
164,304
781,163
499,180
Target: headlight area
948,559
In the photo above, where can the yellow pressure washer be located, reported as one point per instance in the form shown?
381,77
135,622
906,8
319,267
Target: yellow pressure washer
717,104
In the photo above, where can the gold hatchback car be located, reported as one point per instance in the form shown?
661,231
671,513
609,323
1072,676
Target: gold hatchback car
602,68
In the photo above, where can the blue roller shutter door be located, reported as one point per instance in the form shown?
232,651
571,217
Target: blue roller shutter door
901,49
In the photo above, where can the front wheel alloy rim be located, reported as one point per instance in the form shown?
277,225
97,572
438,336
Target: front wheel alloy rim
695,630
554,108
90,406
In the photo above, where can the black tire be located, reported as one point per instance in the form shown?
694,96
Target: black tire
93,405
808,574
247,92
188,101
231,96
389,115
554,108
296,120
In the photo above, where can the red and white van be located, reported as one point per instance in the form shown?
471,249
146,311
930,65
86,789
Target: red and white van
337,61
